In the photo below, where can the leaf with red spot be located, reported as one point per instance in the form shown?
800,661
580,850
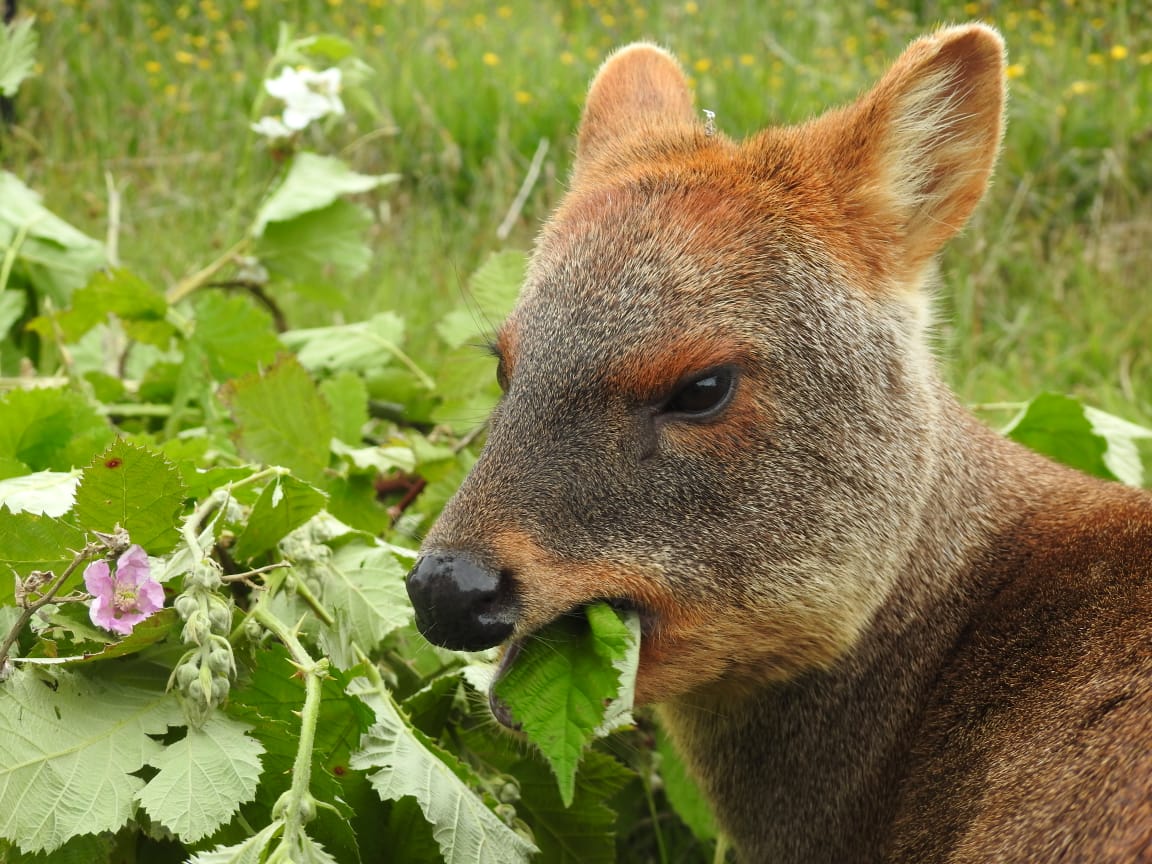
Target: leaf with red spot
135,488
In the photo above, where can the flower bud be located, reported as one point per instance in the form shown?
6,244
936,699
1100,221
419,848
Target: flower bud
220,660
507,813
185,605
220,689
196,629
219,615
186,673
508,790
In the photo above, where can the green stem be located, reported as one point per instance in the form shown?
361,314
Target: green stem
10,255
721,849
655,821
298,802
313,602
191,527
190,284
30,609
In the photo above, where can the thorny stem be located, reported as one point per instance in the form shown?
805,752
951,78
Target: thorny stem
30,609
305,594
298,798
217,498
190,284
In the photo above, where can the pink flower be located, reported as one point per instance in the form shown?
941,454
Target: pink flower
122,599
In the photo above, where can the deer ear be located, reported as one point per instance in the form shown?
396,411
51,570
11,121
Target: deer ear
639,91
917,151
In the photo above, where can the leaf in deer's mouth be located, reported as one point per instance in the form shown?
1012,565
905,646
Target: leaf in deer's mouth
569,683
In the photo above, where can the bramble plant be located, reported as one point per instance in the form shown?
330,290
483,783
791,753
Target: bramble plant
206,518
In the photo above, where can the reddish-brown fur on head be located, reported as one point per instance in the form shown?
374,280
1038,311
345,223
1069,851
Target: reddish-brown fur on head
816,560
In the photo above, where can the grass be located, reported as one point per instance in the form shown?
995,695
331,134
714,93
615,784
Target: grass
1045,290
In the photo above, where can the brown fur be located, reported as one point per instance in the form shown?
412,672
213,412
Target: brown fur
877,630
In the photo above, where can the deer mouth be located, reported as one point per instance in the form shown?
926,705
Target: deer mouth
499,708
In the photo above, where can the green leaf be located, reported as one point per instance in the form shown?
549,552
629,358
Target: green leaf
282,419
268,701
406,763
325,246
250,851
12,305
564,678
47,493
18,43
34,543
85,849
492,293
348,347
353,501
140,306
285,504
68,753
312,183
363,586
682,792
237,336
1122,456
466,384
1056,426
347,397
145,634
51,428
204,778
273,695
581,833
135,488
56,258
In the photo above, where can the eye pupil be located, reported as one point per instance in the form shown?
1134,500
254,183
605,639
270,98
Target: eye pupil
702,395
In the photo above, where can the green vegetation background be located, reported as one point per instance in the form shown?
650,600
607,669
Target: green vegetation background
1047,289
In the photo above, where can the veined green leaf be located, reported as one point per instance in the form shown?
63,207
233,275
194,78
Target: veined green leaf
682,792
313,182
406,763
583,832
147,632
1088,439
353,347
281,418
68,753
141,308
135,488
1121,455
492,292
324,247
251,851
347,396
364,588
285,504
561,684
51,428
237,337
18,43
47,493
34,543
86,849
204,778
57,258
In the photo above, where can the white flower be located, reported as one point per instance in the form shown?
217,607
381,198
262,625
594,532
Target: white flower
271,127
307,95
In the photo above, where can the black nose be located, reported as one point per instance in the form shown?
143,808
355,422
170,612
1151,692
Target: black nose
461,604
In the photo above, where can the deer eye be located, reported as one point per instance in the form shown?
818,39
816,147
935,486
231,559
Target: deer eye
702,396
